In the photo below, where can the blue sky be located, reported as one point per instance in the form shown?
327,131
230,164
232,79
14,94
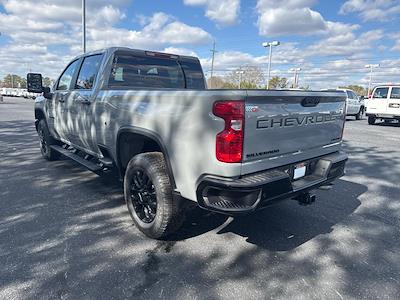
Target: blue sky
331,41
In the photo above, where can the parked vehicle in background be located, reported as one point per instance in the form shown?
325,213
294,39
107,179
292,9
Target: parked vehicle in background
149,116
384,104
355,105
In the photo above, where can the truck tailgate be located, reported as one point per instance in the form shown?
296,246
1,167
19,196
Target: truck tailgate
282,123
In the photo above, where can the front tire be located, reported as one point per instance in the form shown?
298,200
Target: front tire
360,114
45,141
371,120
148,195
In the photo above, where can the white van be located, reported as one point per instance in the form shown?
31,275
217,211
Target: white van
384,104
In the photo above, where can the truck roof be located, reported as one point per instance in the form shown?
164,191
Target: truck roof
111,50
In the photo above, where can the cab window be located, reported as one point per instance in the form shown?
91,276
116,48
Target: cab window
381,92
395,93
88,72
66,77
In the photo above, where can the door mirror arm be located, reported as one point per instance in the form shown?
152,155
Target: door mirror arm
47,93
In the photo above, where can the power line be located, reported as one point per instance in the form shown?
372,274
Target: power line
213,57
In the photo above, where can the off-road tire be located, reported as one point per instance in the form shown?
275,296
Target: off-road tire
359,115
168,217
45,141
371,120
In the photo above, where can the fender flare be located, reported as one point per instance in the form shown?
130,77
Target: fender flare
151,135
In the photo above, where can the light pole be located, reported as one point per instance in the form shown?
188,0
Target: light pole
296,76
371,67
270,45
84,26
241,72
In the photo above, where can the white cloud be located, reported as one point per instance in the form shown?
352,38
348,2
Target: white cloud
294,17
180,51
372,10
345,44
54,27
396,38
223,12
160,30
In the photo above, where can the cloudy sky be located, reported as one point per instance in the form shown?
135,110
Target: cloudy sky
331,41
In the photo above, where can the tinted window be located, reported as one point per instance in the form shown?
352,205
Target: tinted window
349,94
381,92
395,93
129,70
193,74
66,78
88,72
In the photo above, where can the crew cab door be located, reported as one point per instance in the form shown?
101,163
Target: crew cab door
82,111
393,106
61,102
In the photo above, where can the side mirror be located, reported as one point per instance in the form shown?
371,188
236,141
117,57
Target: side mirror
34,83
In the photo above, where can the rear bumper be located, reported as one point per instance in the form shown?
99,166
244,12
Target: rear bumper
254,191
383,116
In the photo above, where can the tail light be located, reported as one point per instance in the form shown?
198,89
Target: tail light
229,142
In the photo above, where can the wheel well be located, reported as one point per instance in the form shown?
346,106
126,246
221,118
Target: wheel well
39,115
131,144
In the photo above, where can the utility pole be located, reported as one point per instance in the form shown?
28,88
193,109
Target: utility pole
270,45
371,67
296,76
240,72
84,26
212,62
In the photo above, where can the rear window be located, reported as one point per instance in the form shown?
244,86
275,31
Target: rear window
193,74
381,92
136,71
395,93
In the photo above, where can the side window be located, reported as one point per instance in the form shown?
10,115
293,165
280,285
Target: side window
381,92
395,93
349,95
354,95
66,78
88,72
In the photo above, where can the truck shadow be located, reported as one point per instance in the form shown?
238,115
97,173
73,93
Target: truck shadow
283,226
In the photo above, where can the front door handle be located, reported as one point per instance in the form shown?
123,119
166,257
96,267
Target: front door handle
86,102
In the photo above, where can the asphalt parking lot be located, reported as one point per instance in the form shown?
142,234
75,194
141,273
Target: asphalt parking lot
66,233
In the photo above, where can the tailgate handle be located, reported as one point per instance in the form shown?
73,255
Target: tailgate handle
310,101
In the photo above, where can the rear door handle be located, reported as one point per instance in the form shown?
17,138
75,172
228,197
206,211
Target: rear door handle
83,100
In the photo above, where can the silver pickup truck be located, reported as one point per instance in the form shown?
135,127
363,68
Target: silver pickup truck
149,116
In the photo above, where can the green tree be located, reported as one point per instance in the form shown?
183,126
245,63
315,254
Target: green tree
215,82
47,81
277,82
15,81
251,77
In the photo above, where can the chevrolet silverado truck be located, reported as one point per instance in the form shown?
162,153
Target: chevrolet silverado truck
150,117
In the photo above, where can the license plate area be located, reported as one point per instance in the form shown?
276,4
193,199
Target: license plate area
299,171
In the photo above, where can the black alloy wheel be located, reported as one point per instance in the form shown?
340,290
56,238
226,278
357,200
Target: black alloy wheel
143,196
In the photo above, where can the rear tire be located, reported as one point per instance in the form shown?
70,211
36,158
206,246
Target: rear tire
148,195
45,141
371,120
359,115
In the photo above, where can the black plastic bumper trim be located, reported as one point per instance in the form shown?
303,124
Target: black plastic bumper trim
273,185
